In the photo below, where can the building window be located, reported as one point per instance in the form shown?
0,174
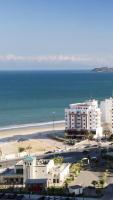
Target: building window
54,180
57,180
19,171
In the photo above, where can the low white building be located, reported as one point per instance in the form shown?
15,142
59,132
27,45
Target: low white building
31,171
13,175
45,169
80,117
76,189
58,174
36,169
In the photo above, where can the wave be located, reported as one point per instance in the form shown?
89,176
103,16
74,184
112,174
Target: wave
10,127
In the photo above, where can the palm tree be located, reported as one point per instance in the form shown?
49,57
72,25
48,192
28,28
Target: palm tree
107,130
0,153
91,135
29,149
66,184
65,188
107,133
102,182
88,135
104,177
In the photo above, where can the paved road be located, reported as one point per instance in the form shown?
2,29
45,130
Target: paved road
108,193
70,156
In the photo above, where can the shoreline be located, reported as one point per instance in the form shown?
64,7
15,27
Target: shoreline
11,127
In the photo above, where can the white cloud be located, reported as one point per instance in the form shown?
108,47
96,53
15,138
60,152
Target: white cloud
48,58
84,59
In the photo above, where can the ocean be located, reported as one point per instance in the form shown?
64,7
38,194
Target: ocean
33,96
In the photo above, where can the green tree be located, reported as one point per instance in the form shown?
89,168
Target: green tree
58,160
107,130
102,182
28,148
91,135
88,135
0,153
104,177
111,137
75,168
94,183
66,184
21,149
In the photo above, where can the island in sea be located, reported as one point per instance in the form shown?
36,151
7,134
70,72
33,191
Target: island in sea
103,69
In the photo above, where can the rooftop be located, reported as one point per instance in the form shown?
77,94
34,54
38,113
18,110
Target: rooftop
35,181
85,104
29,158
57,169
76,186
9,172
19,163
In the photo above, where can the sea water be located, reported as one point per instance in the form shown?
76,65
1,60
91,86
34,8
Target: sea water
41,96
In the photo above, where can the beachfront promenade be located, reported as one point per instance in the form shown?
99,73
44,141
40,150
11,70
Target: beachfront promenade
70,153
38,136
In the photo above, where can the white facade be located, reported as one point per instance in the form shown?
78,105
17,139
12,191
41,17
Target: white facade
28,168
45,169
58,174
106,107
83,116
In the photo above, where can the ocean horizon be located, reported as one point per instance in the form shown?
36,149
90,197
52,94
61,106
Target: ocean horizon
28,97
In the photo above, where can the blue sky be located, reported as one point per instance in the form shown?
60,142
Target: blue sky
56,34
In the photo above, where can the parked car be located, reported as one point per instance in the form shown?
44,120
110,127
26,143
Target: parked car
47,152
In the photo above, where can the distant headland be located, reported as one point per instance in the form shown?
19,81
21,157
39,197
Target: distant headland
102,69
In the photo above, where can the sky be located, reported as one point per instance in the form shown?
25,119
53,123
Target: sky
56,34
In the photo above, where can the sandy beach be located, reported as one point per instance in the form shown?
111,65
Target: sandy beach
35,136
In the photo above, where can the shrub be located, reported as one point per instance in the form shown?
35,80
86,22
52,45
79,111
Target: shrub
21,149
58,160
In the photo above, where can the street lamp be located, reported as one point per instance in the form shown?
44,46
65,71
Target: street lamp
53,118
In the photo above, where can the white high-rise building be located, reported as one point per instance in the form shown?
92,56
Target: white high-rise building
80,117
106,107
